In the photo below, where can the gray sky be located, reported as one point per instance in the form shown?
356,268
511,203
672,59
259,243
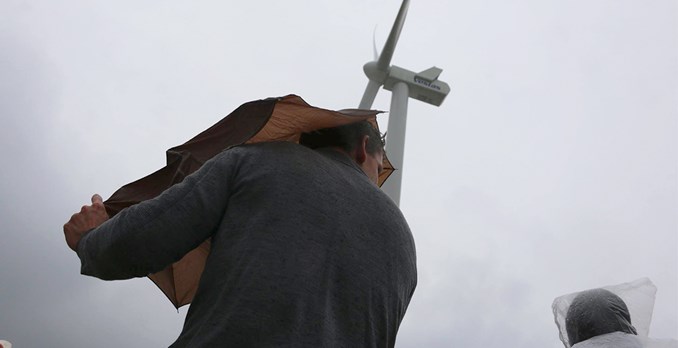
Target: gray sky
552,167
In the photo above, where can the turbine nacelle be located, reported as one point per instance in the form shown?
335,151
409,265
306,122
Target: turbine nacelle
423,86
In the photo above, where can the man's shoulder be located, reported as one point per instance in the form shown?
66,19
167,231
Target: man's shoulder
263,150
270,147
268,154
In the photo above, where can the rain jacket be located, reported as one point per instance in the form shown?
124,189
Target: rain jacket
624,340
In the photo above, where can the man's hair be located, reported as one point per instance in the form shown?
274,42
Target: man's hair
346,137
597,312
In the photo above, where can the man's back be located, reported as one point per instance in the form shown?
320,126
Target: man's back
306,252
309,252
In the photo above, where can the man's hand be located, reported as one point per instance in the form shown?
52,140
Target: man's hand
89,217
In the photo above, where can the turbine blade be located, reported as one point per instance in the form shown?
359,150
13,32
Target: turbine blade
389,47
369,95
374,43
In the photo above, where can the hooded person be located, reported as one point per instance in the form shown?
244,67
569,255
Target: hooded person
598,312
612,317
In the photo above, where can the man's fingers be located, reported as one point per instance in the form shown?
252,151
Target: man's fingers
96,199
89,217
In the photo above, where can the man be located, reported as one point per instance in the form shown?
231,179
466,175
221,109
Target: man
306,250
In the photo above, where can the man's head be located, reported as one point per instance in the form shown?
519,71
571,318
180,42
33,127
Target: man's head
597,312
360,140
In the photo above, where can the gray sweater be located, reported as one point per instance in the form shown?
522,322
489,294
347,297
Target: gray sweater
306,251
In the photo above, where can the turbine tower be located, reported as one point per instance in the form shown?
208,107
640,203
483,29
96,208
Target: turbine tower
403,84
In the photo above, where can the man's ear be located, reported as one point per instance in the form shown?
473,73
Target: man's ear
361,150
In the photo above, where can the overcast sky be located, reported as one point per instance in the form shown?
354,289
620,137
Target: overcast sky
552,166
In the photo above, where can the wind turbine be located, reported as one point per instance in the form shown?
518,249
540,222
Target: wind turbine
403,84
